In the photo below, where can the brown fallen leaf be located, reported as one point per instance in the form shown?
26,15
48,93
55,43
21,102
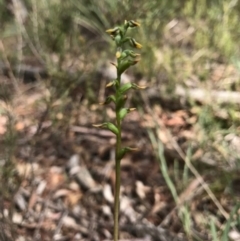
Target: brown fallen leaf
55,178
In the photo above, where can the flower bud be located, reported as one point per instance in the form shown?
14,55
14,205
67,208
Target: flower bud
118,39
118,54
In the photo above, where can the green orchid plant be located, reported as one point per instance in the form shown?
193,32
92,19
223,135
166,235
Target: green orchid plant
126,58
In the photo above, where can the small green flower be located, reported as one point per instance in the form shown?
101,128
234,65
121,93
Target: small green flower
134,43
124,111
108,125
138,87
124,150
133,54
129,53
113,31
108,100
111,83
125,64
133,24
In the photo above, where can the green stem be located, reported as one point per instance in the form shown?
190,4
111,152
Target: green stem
125,58
117,172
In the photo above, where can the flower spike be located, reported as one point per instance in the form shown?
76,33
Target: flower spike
125,58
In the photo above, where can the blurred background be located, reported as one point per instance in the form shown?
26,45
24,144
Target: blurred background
57,171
